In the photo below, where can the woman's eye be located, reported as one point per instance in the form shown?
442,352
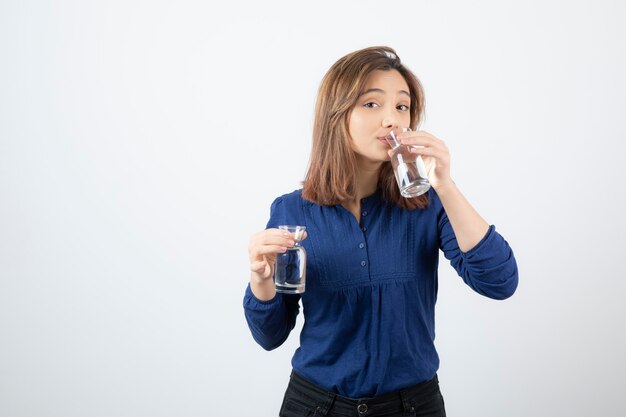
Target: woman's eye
370,105
403,107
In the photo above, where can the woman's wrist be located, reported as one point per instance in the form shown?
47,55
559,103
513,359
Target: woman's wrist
444,187
262,288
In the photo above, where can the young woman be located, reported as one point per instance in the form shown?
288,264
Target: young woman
367,345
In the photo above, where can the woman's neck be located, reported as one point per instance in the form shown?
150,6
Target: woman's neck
366,179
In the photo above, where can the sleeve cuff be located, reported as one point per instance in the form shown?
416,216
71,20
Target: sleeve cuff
250,301
486,241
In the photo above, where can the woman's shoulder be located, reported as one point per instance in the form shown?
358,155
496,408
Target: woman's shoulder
290,198
286,209
288,202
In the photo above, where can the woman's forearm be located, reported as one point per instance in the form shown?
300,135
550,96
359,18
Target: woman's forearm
469,227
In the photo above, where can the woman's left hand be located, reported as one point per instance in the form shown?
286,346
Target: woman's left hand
434,153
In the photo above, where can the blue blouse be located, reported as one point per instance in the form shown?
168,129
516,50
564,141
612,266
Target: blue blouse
371,288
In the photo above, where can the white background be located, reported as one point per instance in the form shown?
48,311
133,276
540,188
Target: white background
142,142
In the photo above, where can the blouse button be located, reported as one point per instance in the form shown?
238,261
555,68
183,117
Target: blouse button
361,245
364,228
365,213
363,263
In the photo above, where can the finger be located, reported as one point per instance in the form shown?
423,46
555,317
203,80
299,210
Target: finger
421,135
274,232
281,232
258,266
304,235
263,269
277,240
270,250
433,137
418,140
426,152
272,238
428,143
299,235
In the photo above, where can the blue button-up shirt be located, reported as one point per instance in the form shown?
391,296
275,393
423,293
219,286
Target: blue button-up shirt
371,288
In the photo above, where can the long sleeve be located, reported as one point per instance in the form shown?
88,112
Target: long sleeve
271,321
371,291
489,268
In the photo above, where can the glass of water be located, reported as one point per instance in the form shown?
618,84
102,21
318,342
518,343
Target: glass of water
408,167
290,267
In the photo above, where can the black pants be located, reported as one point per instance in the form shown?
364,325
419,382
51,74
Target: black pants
305,399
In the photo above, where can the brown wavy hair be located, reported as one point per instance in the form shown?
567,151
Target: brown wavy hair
331,174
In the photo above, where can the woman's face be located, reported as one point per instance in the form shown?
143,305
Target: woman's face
383,106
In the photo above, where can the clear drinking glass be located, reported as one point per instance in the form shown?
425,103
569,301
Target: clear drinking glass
290,267
408,167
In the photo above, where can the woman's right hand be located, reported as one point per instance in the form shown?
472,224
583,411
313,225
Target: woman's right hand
263,248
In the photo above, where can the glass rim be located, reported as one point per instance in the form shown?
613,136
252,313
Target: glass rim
289,226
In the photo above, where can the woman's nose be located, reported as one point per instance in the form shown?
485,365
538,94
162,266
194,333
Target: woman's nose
390,122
